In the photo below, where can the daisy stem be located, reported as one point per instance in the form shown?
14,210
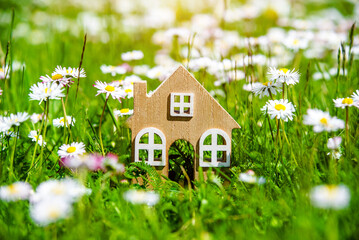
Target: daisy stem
347,126
34,153
67,94
277,120
13,155
82,57
99,128
270,93
67,125
44,133
283,90
270,128
285,135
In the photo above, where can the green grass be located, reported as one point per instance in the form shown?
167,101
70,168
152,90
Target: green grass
279,209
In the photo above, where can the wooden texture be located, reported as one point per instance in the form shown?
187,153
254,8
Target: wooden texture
155,112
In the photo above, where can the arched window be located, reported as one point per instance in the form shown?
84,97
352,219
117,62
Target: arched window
214,149
150,146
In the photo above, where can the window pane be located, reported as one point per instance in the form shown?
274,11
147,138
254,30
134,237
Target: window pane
144,139
157,139
208,140
157,155
221,156
186,110
207,156
177,110
221,140
143,155
187,99
177,98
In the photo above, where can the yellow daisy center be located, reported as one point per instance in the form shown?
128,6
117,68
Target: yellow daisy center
347,101
285,70
332,191
295,41
62,120
324,121
266,84
128,90
110,88
124,110
47,90
279,107
71,149
13,189
54,214
57,76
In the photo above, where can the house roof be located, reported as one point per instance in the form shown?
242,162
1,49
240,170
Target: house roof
151,110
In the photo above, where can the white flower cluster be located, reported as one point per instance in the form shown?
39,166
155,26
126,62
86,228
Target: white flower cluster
322,121
330,196
149,198
13,120
51,201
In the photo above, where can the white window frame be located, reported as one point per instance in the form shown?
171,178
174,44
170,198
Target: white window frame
181,105
214,148
151,146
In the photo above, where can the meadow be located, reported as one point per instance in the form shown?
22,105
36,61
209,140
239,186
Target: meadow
286,71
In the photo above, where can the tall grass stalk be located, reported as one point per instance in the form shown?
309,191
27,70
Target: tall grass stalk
100,125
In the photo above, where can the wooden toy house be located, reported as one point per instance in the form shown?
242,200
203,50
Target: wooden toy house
180,108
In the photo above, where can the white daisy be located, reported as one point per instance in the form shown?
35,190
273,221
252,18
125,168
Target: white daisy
92,162
36,117
4,71
263,89
45,212
110,162
250,86
16,191
16,119
110,89
132,55
322,121
141,69
35,137
129,80
156,72
60,122
345,102
284,75
250,177
123,112
330,196
44,91
113,69
68,190
141,197
295,43
129,91
57,78
62,72
334,143
74,149
4,126
355,97
281,109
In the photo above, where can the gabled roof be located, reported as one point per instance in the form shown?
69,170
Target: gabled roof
180,81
